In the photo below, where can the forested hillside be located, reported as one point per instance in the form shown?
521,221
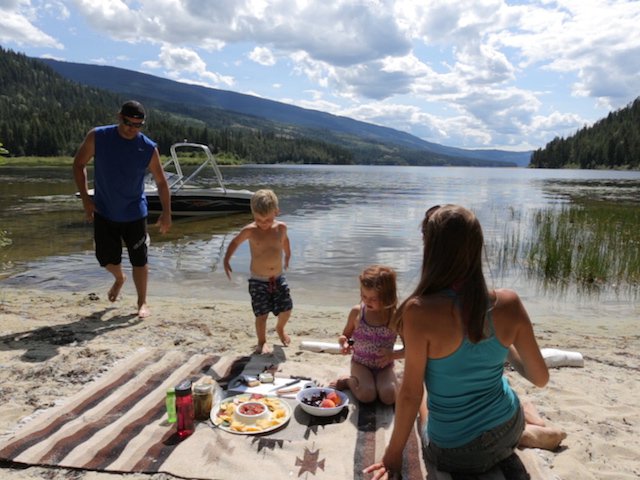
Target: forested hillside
309,123
613,142
45,114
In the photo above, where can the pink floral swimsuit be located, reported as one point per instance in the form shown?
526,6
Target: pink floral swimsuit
369,341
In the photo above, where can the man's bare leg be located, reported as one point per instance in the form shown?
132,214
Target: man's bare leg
140,277
261,332
120,278
283,318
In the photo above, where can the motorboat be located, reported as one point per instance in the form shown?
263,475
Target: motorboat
191,199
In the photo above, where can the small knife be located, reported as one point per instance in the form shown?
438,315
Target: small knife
288,384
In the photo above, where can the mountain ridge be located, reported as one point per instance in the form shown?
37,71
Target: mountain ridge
138,84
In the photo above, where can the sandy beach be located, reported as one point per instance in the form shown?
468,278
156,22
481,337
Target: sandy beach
54,343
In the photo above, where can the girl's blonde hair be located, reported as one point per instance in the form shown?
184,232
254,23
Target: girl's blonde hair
382,279
452,259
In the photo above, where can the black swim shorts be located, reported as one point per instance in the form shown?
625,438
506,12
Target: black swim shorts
108,237
270,296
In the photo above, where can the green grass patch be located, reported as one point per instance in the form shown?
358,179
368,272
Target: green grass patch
592,246
36,161
186,160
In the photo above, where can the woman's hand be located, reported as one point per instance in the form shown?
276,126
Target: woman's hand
381,472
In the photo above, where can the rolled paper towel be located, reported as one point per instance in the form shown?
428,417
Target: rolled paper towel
328,347
554,357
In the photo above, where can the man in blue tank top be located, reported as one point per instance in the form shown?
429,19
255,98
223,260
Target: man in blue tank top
118,207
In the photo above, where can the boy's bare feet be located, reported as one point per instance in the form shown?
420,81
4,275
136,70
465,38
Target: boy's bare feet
114,291
535,436
262,349
143,311
340,384
284,338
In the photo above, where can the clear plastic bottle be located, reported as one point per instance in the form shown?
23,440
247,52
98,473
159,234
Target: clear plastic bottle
170,402
184,409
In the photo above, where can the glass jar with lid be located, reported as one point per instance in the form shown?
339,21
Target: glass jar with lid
202,400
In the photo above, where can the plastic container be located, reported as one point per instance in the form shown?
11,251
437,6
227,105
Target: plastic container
202,400
184,409
170,402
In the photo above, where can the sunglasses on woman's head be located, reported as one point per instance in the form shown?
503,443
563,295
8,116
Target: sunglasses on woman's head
431,211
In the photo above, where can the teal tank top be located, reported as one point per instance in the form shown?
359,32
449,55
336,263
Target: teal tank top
467,392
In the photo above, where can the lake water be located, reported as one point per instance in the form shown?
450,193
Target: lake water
340,219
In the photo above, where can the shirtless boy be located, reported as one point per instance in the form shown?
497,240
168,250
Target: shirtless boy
268,287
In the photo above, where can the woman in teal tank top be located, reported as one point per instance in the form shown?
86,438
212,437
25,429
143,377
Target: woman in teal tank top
457,338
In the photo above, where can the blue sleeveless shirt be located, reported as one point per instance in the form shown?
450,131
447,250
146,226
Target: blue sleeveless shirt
120,168
467,392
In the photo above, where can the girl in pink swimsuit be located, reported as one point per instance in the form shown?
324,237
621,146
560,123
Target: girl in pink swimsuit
370,337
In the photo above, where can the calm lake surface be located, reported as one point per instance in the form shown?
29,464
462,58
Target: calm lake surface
340,219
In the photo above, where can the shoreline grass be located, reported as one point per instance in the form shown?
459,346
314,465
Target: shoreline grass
592,246
63,161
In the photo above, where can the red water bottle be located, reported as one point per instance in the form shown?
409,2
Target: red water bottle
184,409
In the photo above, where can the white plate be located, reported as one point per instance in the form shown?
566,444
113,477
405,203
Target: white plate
276,402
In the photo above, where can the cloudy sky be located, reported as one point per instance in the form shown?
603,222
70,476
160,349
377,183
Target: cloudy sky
466,73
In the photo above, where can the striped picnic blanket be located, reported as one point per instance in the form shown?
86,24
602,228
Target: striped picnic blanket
118,424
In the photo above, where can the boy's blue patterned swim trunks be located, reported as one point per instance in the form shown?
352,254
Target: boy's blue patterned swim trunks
270,295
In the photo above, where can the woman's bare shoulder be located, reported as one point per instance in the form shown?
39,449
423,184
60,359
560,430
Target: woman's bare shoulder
505,297
508,305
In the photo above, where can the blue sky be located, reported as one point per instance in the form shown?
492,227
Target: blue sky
471,73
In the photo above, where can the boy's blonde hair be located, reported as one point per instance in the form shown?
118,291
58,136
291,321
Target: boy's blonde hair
264,202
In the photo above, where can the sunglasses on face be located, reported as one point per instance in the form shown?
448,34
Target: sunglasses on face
129,123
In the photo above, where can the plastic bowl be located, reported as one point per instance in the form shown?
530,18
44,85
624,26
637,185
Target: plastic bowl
250,412
309,393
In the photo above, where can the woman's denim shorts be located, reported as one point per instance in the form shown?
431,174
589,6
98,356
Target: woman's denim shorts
481,453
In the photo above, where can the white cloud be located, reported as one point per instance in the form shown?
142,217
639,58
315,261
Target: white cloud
178,61
263,56
598,40
485,72
17,25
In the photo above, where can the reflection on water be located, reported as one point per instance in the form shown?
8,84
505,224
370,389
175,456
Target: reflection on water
340,220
